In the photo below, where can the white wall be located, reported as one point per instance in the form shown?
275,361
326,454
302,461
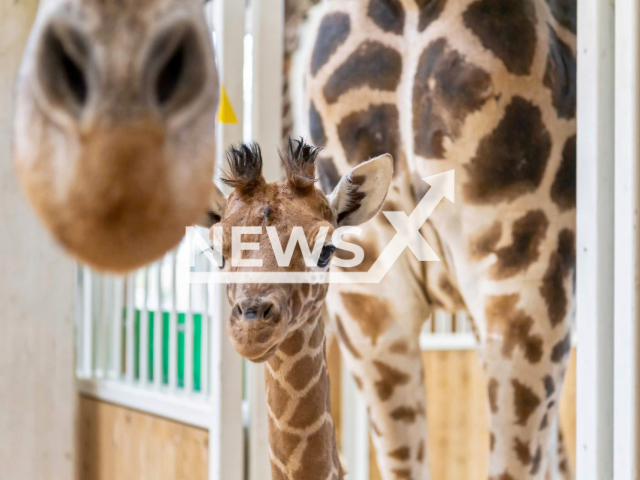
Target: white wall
37,394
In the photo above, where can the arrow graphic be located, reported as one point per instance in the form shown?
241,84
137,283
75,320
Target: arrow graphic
407,236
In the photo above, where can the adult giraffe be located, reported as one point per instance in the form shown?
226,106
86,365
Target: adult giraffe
485,87
114,125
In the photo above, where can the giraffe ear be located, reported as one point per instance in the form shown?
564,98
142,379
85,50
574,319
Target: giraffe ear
217,205
360,193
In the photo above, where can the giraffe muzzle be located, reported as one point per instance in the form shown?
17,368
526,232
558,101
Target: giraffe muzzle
256,328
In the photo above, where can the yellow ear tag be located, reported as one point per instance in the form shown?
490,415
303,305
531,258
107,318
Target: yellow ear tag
225,112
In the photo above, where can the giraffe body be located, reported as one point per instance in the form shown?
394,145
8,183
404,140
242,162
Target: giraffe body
487,88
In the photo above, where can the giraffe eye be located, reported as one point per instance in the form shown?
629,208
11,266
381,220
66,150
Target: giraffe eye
325,255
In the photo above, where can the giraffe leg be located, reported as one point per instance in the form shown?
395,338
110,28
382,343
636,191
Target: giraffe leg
524,386
558,467
378,328
389,375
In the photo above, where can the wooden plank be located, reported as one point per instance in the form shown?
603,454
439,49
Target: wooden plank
117,443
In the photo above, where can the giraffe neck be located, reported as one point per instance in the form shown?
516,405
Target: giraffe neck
301,434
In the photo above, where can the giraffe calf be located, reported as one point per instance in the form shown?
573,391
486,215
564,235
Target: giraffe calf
282,324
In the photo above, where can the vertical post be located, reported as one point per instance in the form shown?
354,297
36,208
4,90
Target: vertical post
627,241
267,31
595,239
87,323
116,328
226,436
143,353
130,331
173,326
157,333
188,343
355,428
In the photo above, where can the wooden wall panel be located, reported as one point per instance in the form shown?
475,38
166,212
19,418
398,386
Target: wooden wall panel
37,389
122,444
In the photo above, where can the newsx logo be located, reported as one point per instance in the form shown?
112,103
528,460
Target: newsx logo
407,236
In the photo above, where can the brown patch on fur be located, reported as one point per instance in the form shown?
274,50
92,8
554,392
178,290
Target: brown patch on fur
404,413
333,32
282,443
492,441
485,243
504,476
552,290
358,381
420,454
277,397
390,378
565,13
317,336
525,402
535,462
317,461
402,473
563,189
402,453
372,314
316,127
430,10
493,395
511,160
522,451
544,423
560,76
293,344
311,405
549,385
514,326
344,338
399,346
372,64
507,29
561,349
527,234
450,292
447,88
304,370
387,14
369,133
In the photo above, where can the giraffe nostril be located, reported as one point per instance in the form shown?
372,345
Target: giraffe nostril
266,312
239,310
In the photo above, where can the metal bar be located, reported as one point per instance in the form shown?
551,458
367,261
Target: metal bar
129,329
116,328
204,335
595,239
157,332
87,323
188,343
173,327
143,353
626,447
224,365
355,428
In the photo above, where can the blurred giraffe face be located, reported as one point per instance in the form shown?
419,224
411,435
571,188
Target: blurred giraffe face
114,126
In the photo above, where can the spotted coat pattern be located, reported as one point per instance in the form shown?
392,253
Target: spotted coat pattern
485,87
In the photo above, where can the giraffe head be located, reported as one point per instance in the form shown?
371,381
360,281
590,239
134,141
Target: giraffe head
264,315
114,125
